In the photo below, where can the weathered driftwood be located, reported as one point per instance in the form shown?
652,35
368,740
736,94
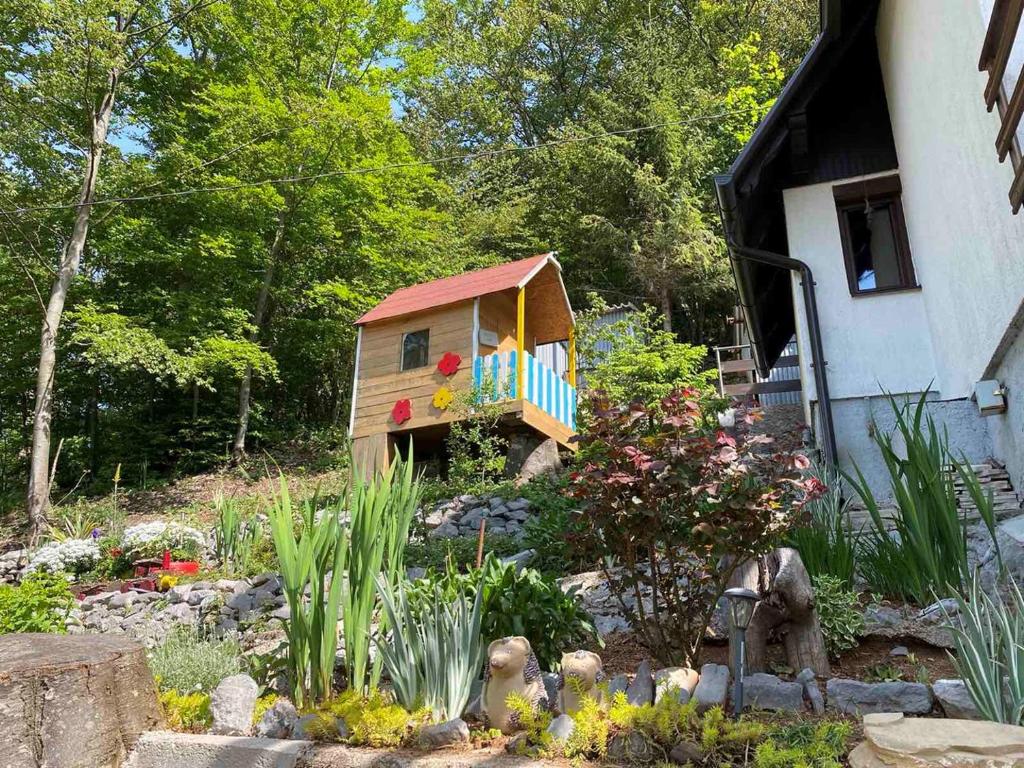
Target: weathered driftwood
786,609
73,701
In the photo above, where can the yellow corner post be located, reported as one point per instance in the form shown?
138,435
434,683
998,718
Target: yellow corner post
520,341
572,356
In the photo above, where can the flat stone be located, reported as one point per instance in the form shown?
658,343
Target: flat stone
163,749
899,651
686,752
713,687
520,559
232,704
444,734
518,504
764,691
854,697
122,600
812,691
551,687
631,747
278,721
678,680
895,740
955,700
618,683
641,690
179,593
562,728
447,530
197,596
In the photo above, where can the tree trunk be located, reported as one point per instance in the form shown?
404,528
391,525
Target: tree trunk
245,387
666,309
39,471
786,608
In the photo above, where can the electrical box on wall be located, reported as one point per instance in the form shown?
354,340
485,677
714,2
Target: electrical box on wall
990,396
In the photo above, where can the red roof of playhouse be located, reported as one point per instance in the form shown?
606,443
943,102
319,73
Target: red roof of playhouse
449,290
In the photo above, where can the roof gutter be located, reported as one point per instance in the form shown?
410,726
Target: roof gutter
737,252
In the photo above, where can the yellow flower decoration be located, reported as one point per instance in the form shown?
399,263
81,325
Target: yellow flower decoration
443,398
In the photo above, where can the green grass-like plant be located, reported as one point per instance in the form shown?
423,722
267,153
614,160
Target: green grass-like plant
235,536
433,655
826,544
927,556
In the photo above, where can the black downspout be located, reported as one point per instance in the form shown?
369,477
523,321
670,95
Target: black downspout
818,362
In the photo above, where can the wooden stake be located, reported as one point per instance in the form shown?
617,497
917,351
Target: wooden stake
480,543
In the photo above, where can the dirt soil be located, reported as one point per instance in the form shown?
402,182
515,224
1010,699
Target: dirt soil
870,660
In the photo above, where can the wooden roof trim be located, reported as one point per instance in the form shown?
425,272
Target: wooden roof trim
551,260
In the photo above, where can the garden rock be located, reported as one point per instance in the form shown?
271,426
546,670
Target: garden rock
618,683
562,728
641,690
520,559
678,680
686,752
444,734
551,680
630,747
900,651
812,691
299,730
542,460
854,697
179,593
713,687
764,691
888,623
279,721
955,701
895,740
232,704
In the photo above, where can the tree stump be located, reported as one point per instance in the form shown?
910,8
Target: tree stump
786,609
73,701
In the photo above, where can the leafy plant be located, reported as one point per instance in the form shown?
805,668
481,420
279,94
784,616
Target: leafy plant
188,661
432,655
476,450
375,720
926,552
189,712
839,614
989,638
460,551
824,540
514,603
235,538
548,531
885,672
40,603
354,552
670,505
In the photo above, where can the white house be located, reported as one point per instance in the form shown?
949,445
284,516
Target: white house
873,214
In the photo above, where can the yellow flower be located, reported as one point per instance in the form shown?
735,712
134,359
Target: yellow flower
443,398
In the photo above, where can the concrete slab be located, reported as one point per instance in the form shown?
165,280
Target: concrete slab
165,749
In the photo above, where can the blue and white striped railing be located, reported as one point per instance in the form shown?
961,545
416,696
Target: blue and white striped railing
542,386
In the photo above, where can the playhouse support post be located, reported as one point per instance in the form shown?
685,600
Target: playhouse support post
572,356
520,341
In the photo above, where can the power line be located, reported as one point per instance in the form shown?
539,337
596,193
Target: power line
376,169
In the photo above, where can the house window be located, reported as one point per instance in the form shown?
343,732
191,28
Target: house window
415,349
874,235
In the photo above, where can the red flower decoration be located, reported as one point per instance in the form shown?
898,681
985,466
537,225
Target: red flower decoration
449,363
402,412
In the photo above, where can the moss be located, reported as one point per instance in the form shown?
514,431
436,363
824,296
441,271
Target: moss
188,712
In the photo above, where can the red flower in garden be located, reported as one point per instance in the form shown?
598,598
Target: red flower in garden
402,412
449,364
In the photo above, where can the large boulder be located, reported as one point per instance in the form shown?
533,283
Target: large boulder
232,704
713,688
853,697
541,460
894,740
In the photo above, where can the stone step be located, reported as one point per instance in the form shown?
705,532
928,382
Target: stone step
165,749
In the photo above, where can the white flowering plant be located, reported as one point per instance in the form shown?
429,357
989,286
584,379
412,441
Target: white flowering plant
68,556
151,539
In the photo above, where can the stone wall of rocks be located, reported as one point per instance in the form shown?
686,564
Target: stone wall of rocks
11,563
251,607
462,516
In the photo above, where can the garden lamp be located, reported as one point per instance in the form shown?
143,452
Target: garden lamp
741,610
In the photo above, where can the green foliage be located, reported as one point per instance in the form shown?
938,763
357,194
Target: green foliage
460,551
927,556
663,481
354,552
432,653
524,603
635,358
548,530
476,450
839,614
375,720
589,738
533,722
825,542
263,703
189,662
40,603
189,712
805,745
236,539
989,637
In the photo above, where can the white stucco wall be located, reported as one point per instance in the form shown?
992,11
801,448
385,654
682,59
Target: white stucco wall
967,245
872,342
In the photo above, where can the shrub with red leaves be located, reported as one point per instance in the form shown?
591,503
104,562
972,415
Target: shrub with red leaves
672,504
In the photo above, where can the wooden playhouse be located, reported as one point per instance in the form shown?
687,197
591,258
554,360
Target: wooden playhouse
493,329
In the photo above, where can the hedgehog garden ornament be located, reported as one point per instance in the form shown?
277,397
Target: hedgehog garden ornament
511,667
581,673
